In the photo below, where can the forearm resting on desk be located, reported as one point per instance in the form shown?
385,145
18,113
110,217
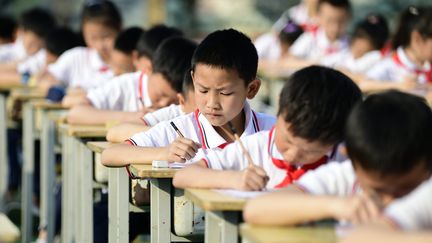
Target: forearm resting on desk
124,154
288,207
89,115
121,132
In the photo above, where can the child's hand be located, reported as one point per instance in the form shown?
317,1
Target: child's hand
253,178
182,149
359,209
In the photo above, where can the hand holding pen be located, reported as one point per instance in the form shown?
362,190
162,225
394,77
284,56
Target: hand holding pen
181,149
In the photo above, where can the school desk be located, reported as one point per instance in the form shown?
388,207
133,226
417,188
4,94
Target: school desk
161,193
77,181
268,234
4,167
222,214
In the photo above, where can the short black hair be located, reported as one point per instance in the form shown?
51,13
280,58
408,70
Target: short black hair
187,85
103,12
390,133
37,20
61,39
411,19
172,59
374,28
290,32
344,4
127,39
7,27
316,101
151,39
228,49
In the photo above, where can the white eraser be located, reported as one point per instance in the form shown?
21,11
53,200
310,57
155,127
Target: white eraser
160,164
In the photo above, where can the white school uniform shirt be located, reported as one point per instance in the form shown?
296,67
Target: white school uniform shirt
264,154
81,67
197,128
299,14
12,51
345,60
127,92
164,114
397,67
268,46
414,211
315,45
33,64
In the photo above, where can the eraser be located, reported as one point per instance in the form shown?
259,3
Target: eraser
160,164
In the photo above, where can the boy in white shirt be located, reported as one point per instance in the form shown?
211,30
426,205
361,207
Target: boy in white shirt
305,137
129,96
224,68
123,131
388,138
329,37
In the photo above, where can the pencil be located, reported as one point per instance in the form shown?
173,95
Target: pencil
176,129
243,148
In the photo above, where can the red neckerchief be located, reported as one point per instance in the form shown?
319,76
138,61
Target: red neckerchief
204,141
328,50
293,172
427,73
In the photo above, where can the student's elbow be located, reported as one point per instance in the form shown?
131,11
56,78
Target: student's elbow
180,180
108,158
251,212
111,136
76,115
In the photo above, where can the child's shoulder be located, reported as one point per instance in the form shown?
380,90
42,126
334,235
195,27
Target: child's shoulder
265,121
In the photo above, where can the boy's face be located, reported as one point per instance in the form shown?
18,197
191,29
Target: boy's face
360,46
296,150
422,46
160,91
99,37
333,20
383,189
121,63
32,42
220,94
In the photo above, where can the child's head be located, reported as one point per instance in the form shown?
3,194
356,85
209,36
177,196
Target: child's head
148,43
224,68
187,96
59,40
333,15
170,61
369,34
314,105
35,25
389,141
124,45
415,32
289,33
101,21
8,29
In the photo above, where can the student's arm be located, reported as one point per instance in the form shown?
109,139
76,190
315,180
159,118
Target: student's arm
73,100
290,207
89,115
121,132
10,78
197,175
8,67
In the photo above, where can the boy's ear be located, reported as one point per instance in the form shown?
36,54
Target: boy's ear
253,88
181,99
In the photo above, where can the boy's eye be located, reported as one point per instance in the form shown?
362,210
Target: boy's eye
227,93
203,91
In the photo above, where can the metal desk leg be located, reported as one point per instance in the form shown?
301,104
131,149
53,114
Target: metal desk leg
27,172
48,175
68,192
4,166
221,226
85,176
118,205
160,210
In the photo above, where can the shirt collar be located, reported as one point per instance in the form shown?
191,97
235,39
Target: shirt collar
404,60
210,138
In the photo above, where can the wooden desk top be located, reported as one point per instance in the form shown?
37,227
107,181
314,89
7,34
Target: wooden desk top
44,104
8,87
211,200
261,234
98,147
83,131
147,171
27,93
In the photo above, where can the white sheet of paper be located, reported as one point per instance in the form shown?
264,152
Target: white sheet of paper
241,194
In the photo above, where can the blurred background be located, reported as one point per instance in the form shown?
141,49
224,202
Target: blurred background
199,17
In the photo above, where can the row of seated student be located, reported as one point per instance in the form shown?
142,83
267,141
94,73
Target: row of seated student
204,89
314,32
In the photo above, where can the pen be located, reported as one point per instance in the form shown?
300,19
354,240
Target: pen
176,129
